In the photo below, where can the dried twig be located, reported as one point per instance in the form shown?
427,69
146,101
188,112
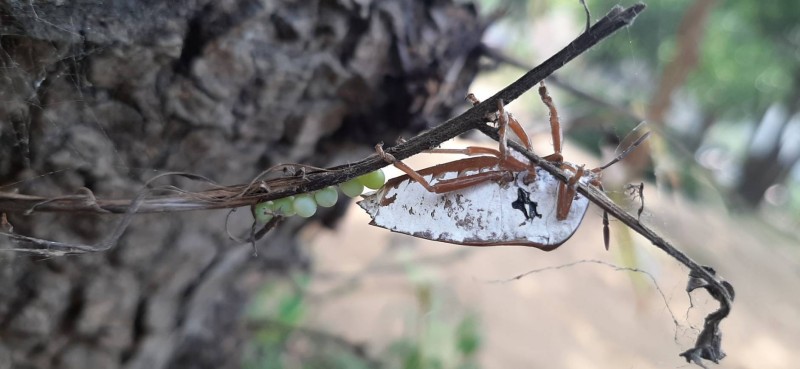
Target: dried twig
263,190
314,179
708,343
249,194
554,80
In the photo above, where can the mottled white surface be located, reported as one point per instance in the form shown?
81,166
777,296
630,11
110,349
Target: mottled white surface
479,215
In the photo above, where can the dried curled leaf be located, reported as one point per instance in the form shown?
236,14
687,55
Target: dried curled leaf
709,343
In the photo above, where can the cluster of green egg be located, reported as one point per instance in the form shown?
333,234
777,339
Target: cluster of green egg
305,205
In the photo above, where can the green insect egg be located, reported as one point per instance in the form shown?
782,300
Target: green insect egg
264,211
373,180
304,206
352,188
326,197
284,206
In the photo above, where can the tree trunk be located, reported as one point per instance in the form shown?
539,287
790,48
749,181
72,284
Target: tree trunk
764,164
105,96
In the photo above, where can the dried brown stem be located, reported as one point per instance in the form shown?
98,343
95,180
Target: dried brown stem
708,342
253,193
707,345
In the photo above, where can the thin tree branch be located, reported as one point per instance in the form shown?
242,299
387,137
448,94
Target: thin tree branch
554,80
250,194
708,342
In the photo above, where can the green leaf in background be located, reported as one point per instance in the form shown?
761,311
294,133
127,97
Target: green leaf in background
468,336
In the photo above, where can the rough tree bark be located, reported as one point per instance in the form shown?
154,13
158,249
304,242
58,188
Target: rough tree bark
100,95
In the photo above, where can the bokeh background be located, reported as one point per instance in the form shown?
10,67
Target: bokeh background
718,82
106,95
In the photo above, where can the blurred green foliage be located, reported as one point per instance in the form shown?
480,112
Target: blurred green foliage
749,61
282,340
